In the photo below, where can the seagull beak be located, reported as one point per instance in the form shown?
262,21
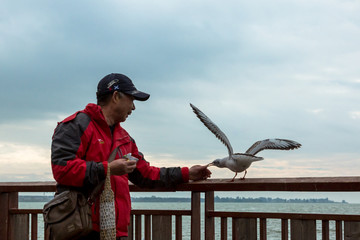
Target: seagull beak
210,164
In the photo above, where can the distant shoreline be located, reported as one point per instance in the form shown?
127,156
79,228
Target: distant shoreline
30,198
237,199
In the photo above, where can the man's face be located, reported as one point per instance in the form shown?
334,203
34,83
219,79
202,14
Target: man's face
124,106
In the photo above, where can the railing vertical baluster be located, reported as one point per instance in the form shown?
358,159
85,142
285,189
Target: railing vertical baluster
162,227
209,221
34,226
303,229
19,226
244,227
224,228
325,230
131,228
178,227
147,227
351,230
195,215
339,230
263,235
235,228
137,227
284,229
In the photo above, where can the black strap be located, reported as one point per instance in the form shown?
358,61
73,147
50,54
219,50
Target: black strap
97,190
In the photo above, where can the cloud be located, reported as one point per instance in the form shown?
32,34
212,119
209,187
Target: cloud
32,131
257,69
355,115
32,163
24,162
316,111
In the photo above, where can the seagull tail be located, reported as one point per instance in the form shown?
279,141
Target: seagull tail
258,159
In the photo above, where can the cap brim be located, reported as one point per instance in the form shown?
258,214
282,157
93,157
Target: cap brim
138,95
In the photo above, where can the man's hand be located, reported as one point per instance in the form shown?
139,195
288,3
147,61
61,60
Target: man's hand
122,166
198,172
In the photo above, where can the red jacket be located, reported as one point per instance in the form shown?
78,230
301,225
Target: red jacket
80,148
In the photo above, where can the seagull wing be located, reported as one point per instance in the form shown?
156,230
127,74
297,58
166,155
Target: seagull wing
280,144
213,128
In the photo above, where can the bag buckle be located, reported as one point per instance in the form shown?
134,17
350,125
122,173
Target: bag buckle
90,201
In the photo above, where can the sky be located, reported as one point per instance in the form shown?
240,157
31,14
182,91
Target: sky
258,69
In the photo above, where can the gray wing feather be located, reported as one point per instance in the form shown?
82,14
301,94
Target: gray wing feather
213,128
279,144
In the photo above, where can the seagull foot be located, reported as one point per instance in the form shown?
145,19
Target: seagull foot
243,178
233,179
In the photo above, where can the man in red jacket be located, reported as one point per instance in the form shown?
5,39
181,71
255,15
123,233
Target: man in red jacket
83,142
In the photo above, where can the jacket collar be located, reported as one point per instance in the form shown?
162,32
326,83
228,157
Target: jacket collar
96,114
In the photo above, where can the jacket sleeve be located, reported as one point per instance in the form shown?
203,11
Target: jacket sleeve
68,151
152,177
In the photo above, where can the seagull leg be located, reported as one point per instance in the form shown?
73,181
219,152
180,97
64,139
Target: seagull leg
243,178
233,177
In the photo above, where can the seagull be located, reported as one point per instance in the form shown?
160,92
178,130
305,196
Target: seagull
239,162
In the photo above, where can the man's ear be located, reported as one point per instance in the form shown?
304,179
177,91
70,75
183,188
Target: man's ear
115,96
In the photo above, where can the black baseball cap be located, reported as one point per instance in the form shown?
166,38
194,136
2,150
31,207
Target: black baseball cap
121,83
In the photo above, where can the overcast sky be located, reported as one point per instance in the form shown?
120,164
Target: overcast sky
258,69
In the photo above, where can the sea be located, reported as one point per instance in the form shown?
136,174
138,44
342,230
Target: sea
273,225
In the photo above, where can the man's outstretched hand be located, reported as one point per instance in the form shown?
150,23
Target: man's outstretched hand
198,172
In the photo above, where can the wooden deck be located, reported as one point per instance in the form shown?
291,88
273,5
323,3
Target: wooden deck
157,224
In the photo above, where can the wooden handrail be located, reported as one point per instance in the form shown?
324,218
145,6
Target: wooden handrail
27,186
308,184
275,215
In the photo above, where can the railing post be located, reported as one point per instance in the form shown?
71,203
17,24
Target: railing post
7,201
4,216
195,216
209,221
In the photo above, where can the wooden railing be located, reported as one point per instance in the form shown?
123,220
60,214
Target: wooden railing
22,224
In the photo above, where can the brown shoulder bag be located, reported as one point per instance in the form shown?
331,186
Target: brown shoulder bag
68,214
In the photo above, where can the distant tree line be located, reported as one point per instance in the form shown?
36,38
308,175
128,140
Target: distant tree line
275,200
237,199
28,198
